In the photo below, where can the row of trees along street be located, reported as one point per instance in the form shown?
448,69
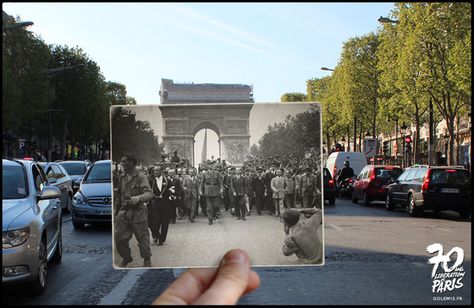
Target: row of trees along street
420,57
53,88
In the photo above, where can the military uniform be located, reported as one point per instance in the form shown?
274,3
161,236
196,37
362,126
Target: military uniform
211,188
308,189
132,219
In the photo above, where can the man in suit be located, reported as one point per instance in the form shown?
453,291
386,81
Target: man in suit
249,193
237,189
290,190
161,206
278,186
191,193
269,200
259,189
211,188
175,184
307,187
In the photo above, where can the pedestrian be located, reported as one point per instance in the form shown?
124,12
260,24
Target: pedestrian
175,184
130,212
259,189
191,193
307,188
290,190
249,193
269,199
238,191
278,186
303,229
211,188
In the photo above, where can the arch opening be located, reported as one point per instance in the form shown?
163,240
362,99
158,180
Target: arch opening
212,149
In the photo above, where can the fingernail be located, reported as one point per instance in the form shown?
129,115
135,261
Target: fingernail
235,257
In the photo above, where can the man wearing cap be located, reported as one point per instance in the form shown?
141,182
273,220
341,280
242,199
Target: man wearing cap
211,188
130,212
303,229
307,187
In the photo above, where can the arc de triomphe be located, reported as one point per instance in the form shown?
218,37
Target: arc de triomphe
223,108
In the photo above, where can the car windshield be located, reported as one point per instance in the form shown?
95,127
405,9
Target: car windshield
98,173
388,173
14,183
449,177
74,168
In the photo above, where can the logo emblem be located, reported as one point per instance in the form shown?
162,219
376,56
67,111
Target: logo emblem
106,201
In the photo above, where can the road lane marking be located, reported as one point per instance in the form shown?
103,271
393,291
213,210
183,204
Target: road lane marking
117,295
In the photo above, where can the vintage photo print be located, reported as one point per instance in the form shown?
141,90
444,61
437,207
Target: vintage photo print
192,181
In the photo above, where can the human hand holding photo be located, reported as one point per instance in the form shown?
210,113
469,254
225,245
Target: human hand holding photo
210,286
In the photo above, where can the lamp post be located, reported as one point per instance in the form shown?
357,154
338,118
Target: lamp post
14,25
327,69
387,20
403,130
49,73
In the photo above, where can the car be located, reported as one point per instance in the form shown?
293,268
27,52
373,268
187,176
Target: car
58,176
329,187
335,162
92,203
31,224
76,170
438,188
371,184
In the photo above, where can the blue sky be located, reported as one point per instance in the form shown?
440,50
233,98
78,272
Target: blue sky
275,47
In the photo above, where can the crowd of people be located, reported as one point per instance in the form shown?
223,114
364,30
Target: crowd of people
171,193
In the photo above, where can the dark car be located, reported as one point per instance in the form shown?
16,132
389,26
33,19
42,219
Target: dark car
328,187
58,176
92,202
31,225
76,170
372,182
435,188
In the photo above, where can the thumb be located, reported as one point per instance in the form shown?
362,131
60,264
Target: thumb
231,280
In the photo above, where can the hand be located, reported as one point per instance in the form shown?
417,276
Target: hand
209,286
286,229
134,200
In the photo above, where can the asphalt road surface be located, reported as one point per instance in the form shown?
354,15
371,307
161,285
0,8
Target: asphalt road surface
372,257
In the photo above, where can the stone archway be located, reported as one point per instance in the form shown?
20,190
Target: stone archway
229,120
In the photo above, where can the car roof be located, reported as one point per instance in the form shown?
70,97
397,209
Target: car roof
384,166
439,167
108,161
16,162
72,162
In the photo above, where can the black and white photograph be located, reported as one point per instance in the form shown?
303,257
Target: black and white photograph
208,170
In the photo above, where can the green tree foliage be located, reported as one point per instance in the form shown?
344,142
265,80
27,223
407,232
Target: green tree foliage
25,88
117,94
133,137
293,97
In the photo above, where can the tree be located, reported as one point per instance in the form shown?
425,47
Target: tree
117,94
293,97
133,137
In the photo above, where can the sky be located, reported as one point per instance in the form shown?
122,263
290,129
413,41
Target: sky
275,47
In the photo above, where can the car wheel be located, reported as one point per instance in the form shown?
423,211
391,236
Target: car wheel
354,199
411,209
465,214
58,253
388,203
39,284
78,225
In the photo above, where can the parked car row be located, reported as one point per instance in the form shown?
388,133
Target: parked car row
34,196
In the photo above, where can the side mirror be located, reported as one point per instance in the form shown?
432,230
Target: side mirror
49,192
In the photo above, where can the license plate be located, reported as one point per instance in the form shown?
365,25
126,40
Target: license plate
450,190
106,212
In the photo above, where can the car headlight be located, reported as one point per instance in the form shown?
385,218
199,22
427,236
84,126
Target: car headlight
78,199
14,238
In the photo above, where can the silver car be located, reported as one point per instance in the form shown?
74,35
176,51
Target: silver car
93,201
32,223
58,177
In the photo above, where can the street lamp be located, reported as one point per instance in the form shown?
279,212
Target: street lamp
14,25
387,20
49,73
327,69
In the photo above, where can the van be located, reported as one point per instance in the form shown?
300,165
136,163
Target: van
335,162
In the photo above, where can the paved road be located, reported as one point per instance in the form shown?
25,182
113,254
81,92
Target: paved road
372,257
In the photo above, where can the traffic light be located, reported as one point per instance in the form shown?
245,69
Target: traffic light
385,148
408,144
